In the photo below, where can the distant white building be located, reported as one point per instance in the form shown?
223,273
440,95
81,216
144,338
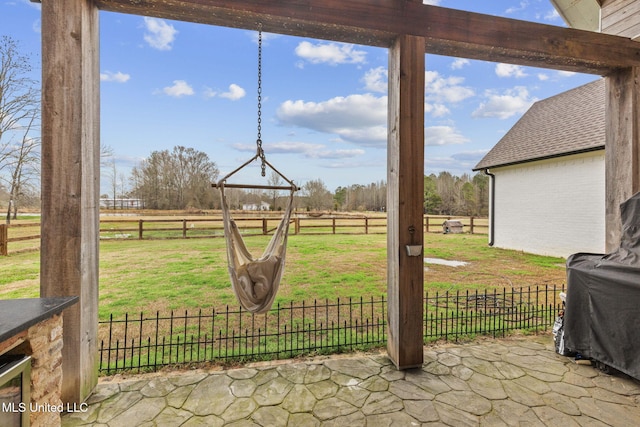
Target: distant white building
263,206
548,177
121,203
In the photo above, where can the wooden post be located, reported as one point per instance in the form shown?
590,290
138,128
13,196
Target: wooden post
184,228
405,187
70,182
140,228
622,147
4,232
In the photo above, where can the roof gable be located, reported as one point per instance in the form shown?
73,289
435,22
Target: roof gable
567,123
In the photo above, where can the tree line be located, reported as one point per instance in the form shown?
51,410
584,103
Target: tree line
181,179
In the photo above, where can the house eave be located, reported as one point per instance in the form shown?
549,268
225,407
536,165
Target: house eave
537,159
580,14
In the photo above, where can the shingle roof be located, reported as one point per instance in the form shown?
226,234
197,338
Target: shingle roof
567,123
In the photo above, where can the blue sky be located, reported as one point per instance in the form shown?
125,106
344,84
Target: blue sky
167,83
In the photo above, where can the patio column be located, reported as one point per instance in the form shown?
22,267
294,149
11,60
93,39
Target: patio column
622,147
70,182
405,194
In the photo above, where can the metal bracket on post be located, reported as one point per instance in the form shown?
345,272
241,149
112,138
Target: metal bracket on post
413,250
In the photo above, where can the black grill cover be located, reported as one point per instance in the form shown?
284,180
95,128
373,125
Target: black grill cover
602,315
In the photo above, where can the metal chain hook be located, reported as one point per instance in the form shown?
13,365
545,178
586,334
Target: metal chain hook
259,138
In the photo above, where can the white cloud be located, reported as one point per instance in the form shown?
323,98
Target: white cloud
470,156
357,118
457,164
431,2
552,15
502,106
118,77
308,150
159,34
445,89
330,53
209,93
378,164
566,73
372,136
510,70
522,6
285,147
179,88
376,80
436,110
234,93
335,154
443,135
555,76
459,63
266,37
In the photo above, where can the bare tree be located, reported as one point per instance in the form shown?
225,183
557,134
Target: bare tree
113,179
23,166
317,195
122,179
106,153
19,120
175,180
275,180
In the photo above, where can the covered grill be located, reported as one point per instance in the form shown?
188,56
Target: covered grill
602,316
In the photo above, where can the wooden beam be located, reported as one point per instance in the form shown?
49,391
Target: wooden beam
622,148
70,182
445,31
497,39
405,187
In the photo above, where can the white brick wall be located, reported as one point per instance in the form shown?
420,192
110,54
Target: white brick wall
552,207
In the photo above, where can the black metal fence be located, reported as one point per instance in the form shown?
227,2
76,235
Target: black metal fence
140,343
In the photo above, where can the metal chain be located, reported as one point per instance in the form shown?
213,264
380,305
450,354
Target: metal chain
259,139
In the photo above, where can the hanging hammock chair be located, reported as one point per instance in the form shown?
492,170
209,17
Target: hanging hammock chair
255,281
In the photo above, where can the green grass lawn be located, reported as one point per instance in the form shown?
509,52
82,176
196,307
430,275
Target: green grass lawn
163,275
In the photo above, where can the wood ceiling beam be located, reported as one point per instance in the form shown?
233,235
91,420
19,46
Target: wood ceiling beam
377,22
489,38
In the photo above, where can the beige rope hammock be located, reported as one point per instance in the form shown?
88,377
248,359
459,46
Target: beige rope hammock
255,281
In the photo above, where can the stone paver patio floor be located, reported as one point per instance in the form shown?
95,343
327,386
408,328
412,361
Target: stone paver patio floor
506,382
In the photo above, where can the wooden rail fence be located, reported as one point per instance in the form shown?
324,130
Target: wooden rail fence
186,228
19,235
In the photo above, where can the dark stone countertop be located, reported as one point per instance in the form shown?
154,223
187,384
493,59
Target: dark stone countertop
17,315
